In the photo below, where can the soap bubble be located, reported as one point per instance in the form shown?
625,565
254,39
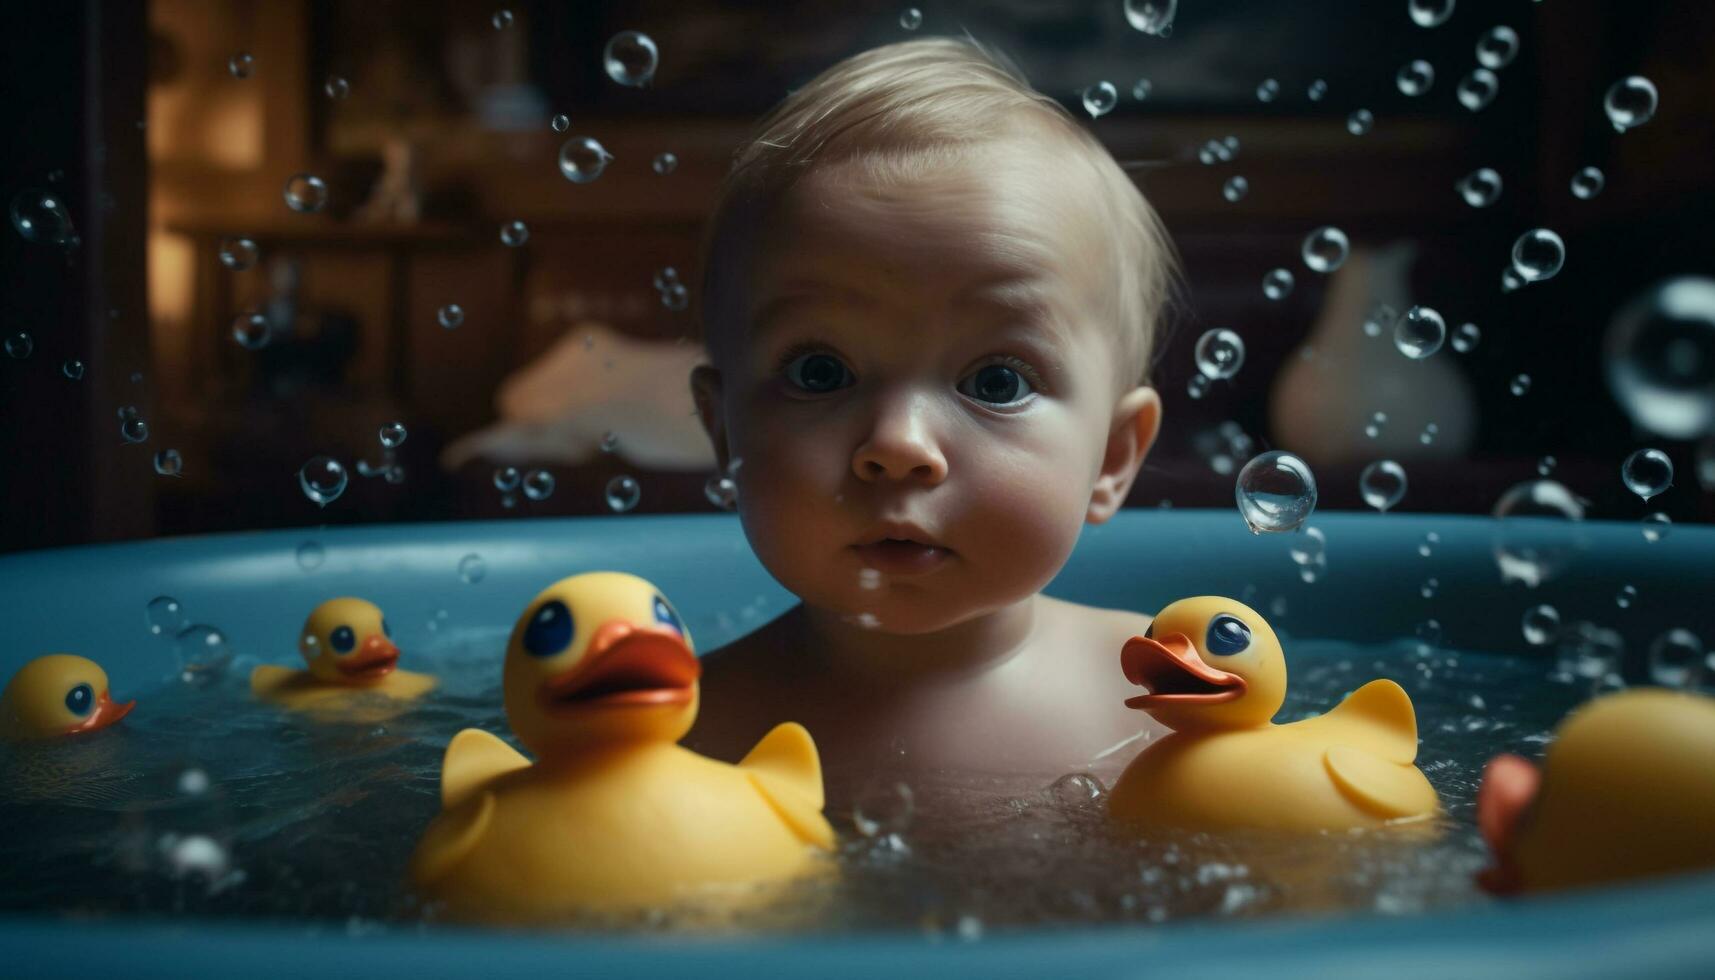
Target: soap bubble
1151,16
1419,333
1587,183
1382,484
630,58
883,807
911,19
1478,89
582,159
1381,317
306,193
392,435
506,479
41,216
560,123
502,19
336,87
1426,547
675,297
1100,98
1267,90
1140,90
132,427
19,345
202,654
164,616
1317,89
1630,102
1627,595
1480,188
450,315
514,234
1538,254
1429,13
1546,465
1430,431
1429,587
1277,284
1520,385
472,569
1510,279
721,491
1276,492
1676,659
1466,337
1220,354
238,254
72,368
322,480
1531,544
1660,359
1198,386
1497,47
622,493
1309,546
1655,526
1541,625
1236,188
1361,121
251,330
664,163
1076,789
1647,473
168,462
538,484
1415,77
1378,422
1324,249
311,555
241,65
1588,651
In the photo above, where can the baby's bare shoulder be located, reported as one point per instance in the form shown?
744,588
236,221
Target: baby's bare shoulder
1100,625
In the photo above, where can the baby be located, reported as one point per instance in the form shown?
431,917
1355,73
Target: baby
929,301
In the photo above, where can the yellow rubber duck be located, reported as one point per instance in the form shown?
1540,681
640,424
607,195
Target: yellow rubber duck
600,682
353,666
58,694
1216,675
1626,790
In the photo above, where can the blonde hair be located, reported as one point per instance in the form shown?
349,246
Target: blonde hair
918,99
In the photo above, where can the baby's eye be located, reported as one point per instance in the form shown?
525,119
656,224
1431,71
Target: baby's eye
997,384
818,373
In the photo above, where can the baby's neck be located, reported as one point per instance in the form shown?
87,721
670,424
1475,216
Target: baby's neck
971,647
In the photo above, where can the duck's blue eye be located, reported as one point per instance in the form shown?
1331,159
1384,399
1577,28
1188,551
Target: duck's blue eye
1228,635
343,640
665,615
550,630
79,699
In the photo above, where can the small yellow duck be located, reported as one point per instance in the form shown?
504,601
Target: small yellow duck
351,659
600,682
58,694
1626,790
1216,676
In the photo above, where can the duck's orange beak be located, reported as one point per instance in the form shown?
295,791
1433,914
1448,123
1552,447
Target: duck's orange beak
374,660
105,713
1509,786
626,666
1174,674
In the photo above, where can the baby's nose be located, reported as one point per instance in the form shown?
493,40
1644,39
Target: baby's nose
901,445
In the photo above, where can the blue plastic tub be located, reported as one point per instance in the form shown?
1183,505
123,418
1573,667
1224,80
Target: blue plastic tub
91,600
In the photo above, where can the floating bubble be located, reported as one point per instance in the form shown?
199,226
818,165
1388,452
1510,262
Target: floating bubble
1541,625
1151,16
1655,526
506,479
1480,188
560,123
622,493
1381,317
1630,102
1267,90
514,234
1415,77
1309,546
538,484
1429,13
722,491
311,555
41,216
202,653
132,427
1206,154
1497,47
1382,484
1430,431
1360,122
251,330
1275,492
1627,595
1587,183
306,193
1538,254
197,856
1676,659
193,782
1588,651
1429,587
1531,543
1510,279
1426,547
1419,333
322,480
1520,385
241,65
1100,98
20,344
472,569
502,19
883,807
72,369
336,87
164,616
582,159
1317,90
1647,473
630,58
675,297
1198,386
238,254
1231,143
1465,338
1140,89
1277,284
1546,465
1378,422
1429,632
392,435
1220,353
911,19
1236,188
450,316
1478,89
664,163
168,462
1660,359
1324,249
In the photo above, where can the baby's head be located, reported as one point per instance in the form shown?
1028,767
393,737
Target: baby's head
930,298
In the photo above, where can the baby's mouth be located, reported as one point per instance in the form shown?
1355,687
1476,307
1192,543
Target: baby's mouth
902,556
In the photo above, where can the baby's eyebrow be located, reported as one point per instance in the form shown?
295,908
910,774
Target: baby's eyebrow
1025,300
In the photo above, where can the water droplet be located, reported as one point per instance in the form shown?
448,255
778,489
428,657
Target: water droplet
1430,431
193,782
1676,659
241,64
1267,90
1497,47
202,654
1660,358
1426,547
883,807
41,216
1478,89
664,163
1382,484
450,316
722,491
1520,385
1429,587
238,254
1541,625
19,345
630,58
1510,279
168,462
1309,546
472,569
336,87
1655,526
560,123
538,484
1360,122
311,555
1533,551
1480,188
1630,102
1429,13
1220,353
609,442
1538,254
306,193
1627,595
911,19
1415,77
1151,16
582,159
1466,337
196,855
1100,98
1198,386
1378,422
506,479
1324,249
132,427
392,435
1276,492
1236,188
251,330
1587,183
72,368
1076,789
322,480
1141,89
514,234
1647,473
164,616
1419,333
622,493
1317,90
1546,465
675,297
502,19
1277,284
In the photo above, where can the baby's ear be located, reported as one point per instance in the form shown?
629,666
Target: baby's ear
1137,419
706,392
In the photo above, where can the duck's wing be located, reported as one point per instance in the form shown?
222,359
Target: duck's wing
1378,716
1386,788
473,758
786,770
268,681
408,686
451,837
